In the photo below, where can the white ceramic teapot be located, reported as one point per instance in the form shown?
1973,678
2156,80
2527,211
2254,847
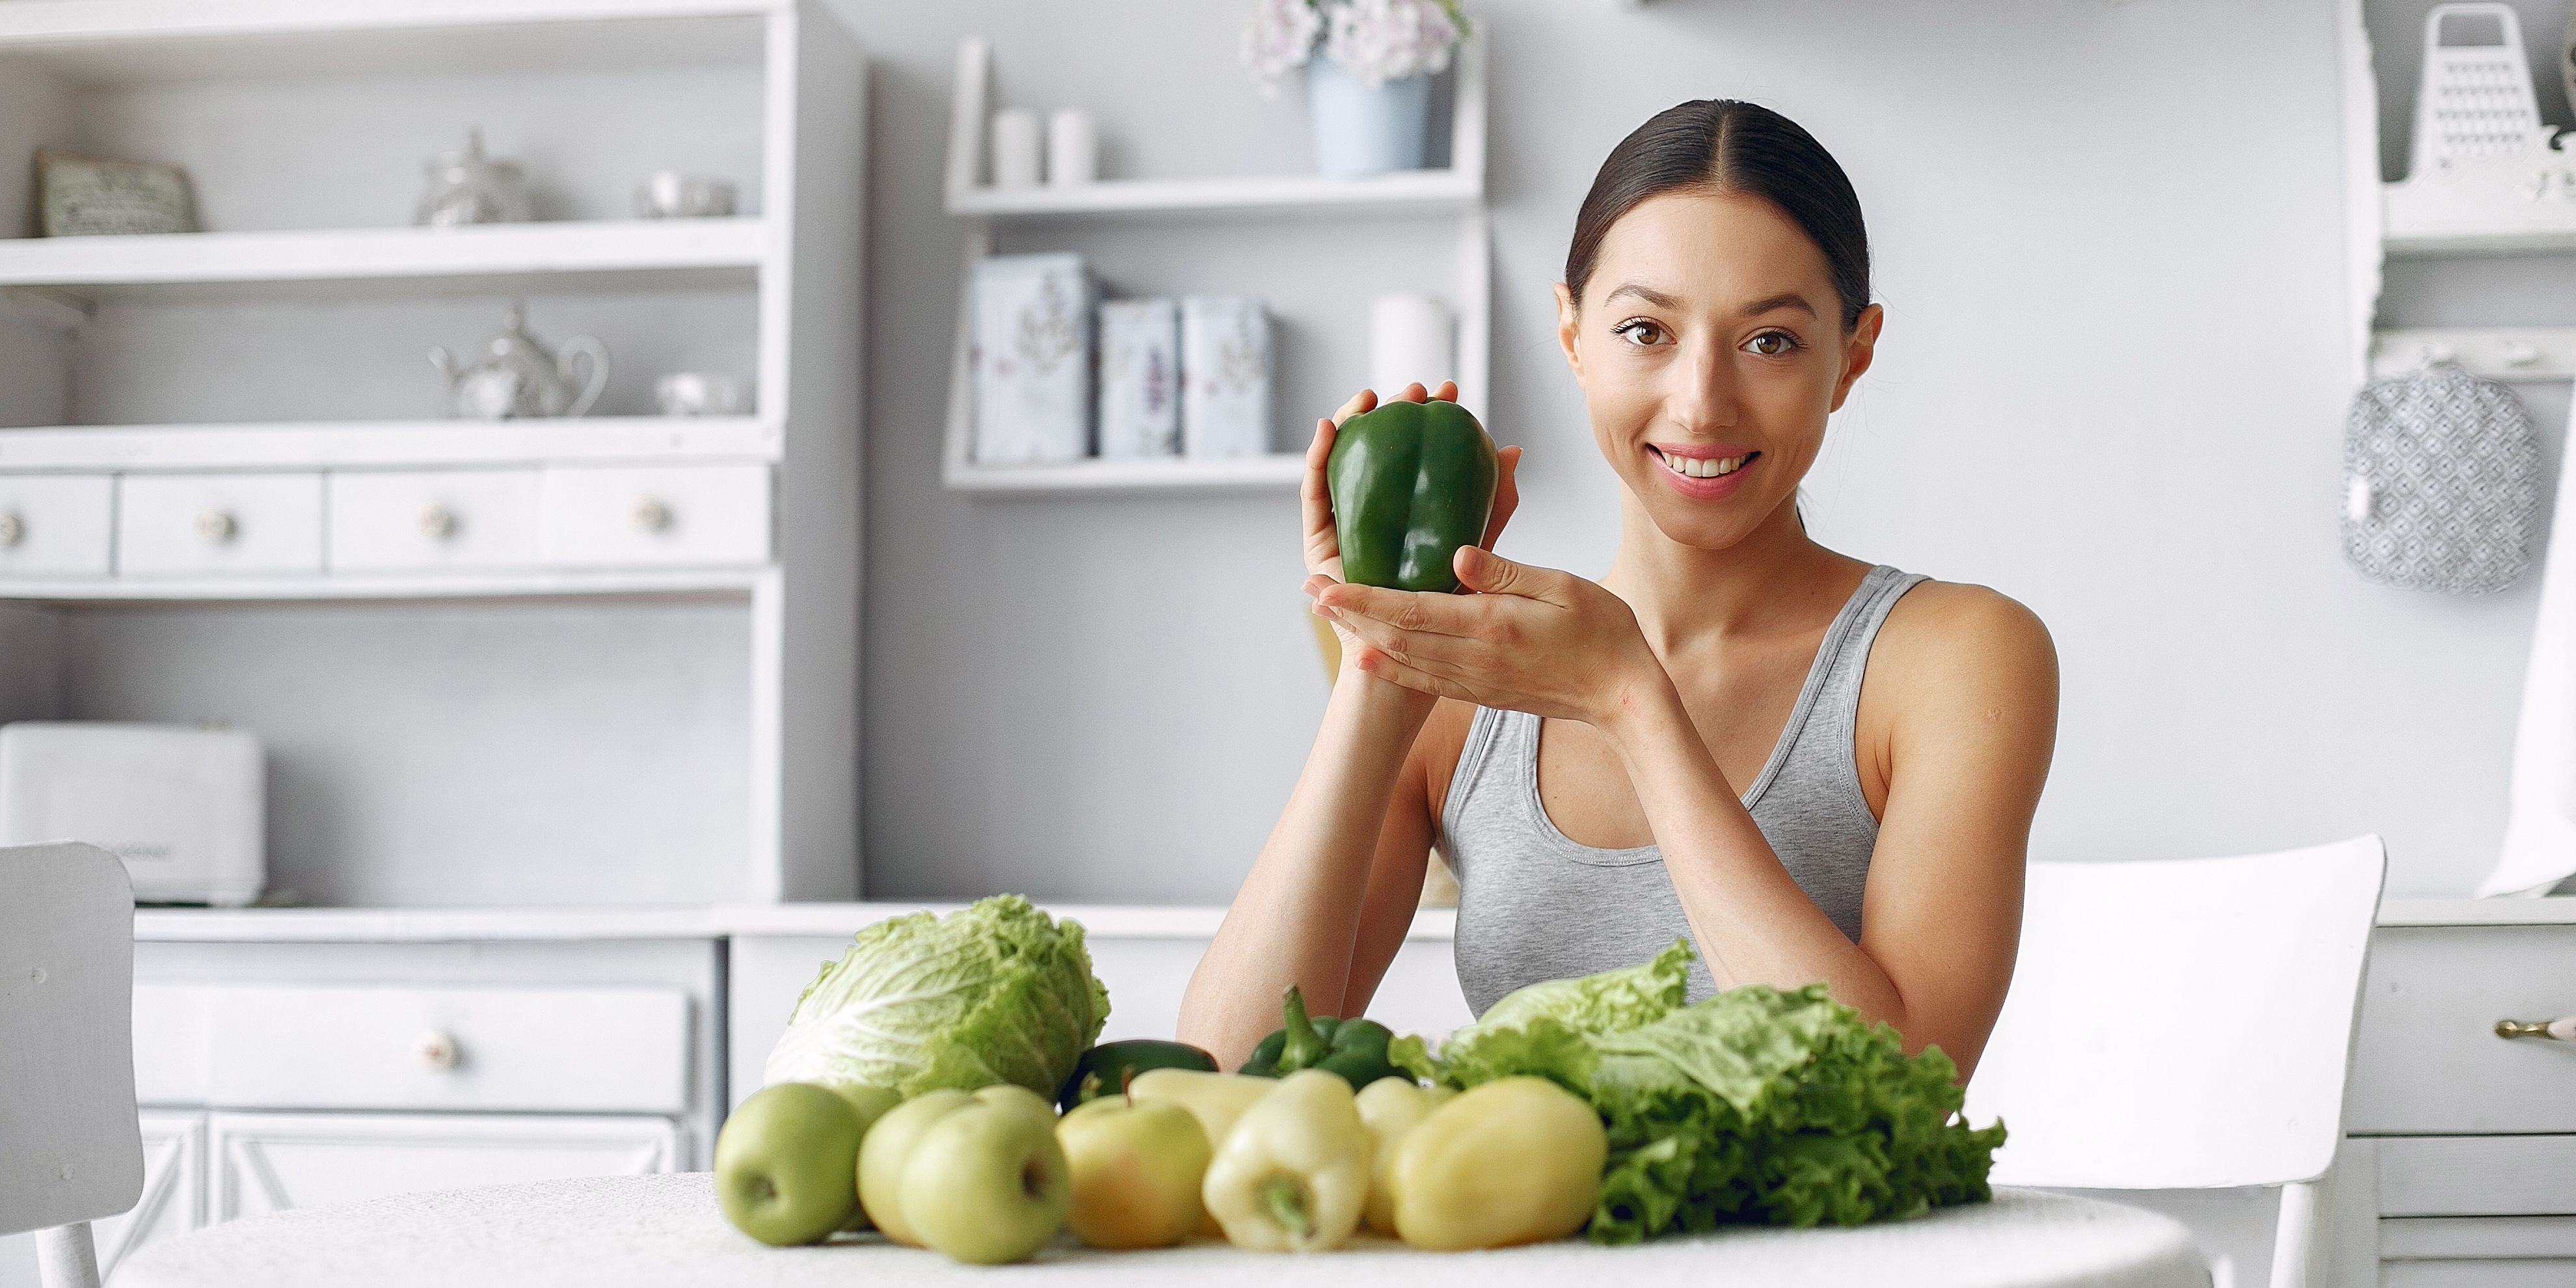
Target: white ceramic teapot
520,376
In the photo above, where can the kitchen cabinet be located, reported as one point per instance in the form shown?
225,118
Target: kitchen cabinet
2459,1164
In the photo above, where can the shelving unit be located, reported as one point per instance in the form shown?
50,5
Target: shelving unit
640,641
1052,215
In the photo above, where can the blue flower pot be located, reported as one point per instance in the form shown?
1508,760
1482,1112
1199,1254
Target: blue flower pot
1359,130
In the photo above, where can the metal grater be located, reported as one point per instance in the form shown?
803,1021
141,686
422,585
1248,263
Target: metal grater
2475,98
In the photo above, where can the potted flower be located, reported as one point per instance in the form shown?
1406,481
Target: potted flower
1369,94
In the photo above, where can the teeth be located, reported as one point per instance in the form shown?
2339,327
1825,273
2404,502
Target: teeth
1701,467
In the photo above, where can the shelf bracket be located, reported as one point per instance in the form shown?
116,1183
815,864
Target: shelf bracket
61,310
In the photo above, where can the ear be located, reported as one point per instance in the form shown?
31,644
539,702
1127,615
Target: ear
1566,320
1860,348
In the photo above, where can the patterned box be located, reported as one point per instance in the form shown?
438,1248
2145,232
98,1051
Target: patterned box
1140,378
1031,359
1225,376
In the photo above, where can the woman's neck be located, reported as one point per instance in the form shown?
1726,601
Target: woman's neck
1685,596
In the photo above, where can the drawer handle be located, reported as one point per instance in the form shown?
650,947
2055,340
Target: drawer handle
437,522
653,515
217,526
437,1049
2562,1029
13,529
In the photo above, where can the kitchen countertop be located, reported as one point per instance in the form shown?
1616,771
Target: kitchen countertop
453,925
1115,921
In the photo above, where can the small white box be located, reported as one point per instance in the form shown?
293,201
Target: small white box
1225,376
181,806
1032,359
1140,378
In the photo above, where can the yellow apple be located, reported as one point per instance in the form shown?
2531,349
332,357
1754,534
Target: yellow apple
1136,1172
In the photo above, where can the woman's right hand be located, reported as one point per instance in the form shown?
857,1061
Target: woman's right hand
1315,496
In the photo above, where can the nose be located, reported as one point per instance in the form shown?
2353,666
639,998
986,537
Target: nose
1701,399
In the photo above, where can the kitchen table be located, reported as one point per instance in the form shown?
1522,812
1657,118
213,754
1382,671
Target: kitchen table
652,1231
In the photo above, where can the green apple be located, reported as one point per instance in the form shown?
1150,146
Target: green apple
987,1183
785,1163
889,1146
871,1103
1136,1172
1011,1095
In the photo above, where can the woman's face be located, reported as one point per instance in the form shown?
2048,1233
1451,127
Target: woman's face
1710,348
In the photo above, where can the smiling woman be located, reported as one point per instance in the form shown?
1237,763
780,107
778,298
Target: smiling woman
1814,767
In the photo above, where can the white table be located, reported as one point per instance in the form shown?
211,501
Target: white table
651,1231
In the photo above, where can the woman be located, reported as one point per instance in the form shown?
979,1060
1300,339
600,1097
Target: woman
1814,767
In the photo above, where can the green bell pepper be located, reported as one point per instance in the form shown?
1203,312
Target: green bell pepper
1354,1048
1411,482
1103,1070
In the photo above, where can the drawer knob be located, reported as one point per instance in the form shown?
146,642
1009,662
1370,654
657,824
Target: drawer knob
437,522
217,526
437,1049
652,515
13,529
2562,1029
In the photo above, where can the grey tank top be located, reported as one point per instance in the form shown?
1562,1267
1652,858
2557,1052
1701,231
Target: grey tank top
1534,904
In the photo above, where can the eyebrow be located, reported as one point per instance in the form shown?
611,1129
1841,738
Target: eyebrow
1784,300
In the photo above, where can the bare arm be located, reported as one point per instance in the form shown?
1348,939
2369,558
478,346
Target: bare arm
1976,687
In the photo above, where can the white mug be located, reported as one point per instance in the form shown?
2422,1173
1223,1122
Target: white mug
1073,149
701,393
1016,148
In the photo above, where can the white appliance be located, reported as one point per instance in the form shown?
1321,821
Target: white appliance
180,805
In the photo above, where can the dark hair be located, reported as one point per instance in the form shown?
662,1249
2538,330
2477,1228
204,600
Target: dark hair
1726,144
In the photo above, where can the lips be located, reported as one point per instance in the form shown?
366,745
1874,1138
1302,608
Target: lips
1703,472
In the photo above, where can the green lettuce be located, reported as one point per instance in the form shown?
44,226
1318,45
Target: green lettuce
1756,1104
997,992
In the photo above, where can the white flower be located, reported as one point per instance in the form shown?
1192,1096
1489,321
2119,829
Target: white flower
1278,36
1383,40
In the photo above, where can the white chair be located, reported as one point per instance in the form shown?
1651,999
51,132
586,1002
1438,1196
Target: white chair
2177,1037
71,1148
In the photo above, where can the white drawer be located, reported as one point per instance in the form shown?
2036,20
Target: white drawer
657,517
2477,1176
2428,1060
270,1162
55,525
2513,1273
595,1050
218,523
394,522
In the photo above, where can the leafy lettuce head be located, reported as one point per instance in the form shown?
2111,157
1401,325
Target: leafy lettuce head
996,993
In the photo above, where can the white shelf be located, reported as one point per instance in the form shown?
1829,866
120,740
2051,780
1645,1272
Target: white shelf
131,41
1424,191
2432,243
643,252
491,584
1277,473
388,443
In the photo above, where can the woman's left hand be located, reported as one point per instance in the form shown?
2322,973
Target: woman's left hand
1530,639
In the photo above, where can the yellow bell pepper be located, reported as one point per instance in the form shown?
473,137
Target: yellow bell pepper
1215,1099
1515,1160
1294,1173
1391,1107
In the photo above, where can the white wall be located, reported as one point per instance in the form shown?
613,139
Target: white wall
2110,243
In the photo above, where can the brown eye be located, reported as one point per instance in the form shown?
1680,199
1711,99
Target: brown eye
1640,331
1772,344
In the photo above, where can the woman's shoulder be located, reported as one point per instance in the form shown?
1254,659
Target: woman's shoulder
1946,635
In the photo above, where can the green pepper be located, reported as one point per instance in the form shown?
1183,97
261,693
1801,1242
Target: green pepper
1354,1048
1103,1070
1411,483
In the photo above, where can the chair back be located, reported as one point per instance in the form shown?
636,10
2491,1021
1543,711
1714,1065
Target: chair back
71,1149
2181,1024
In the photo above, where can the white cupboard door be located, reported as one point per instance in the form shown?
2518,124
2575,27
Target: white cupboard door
426,519
174,1188
270,1162
658,516
55,525
182,524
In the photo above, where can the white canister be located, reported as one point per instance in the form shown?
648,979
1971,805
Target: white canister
1031,358
1225,376
1140,378
1410,339
1016,148
1073,149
